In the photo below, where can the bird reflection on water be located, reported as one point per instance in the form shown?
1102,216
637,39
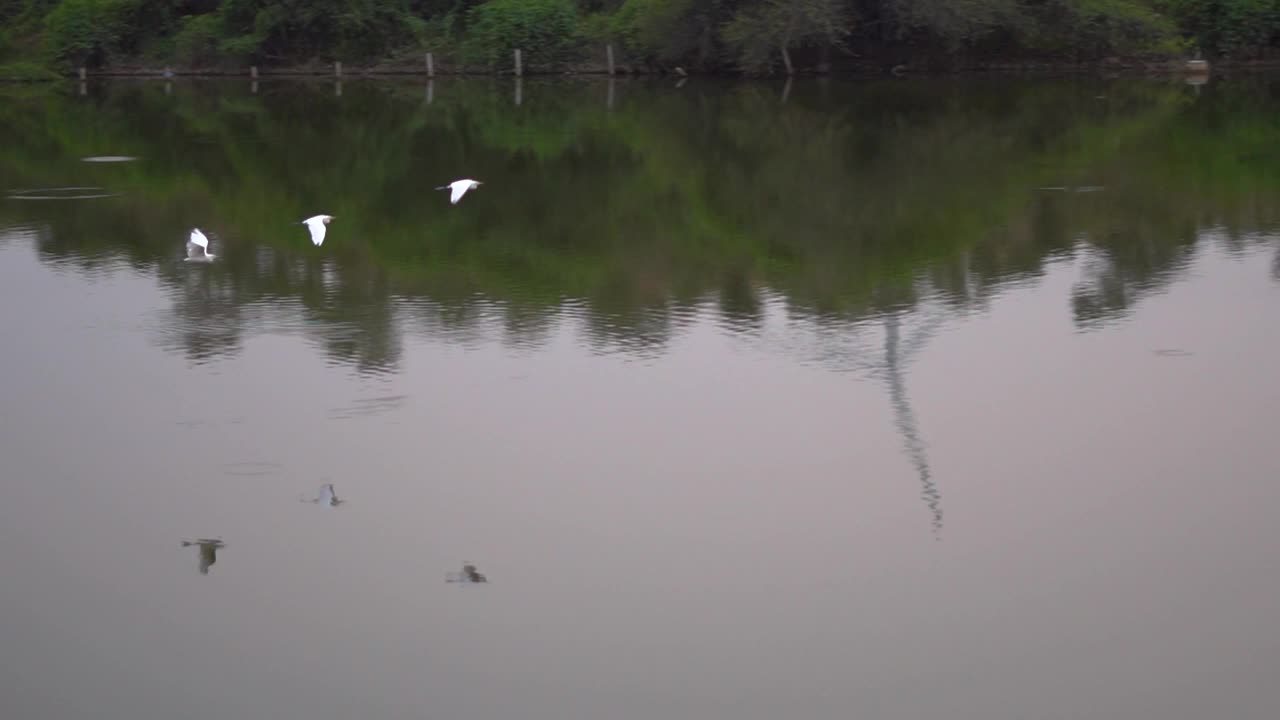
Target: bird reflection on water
327,498
468,575
208,552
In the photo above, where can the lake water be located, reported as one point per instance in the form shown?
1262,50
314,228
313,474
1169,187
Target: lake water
910,399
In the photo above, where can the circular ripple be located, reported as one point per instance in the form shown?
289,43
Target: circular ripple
251,469
64,193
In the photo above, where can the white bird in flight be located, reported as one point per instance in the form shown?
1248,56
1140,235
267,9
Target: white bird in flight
198,247
317,227
459,188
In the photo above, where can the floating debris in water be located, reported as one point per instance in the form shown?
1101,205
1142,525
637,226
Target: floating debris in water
1173,352
209,548
108,158
469,574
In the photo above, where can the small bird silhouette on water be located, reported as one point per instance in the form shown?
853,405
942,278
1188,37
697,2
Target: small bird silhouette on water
459,188
317,225
198,247
469,574
208,552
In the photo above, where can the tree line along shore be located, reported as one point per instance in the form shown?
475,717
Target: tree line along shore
49,38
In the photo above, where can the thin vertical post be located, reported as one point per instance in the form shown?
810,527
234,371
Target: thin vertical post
431,66
83,73
786,90
608,54
337,68
519,68
253,72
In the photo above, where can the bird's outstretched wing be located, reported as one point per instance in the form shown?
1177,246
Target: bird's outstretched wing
197,245
459,189
316,226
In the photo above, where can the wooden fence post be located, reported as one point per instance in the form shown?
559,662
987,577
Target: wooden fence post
608,53
253,72
83,73
337,68
431,66
519,69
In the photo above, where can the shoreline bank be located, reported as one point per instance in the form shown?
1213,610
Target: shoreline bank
1030,68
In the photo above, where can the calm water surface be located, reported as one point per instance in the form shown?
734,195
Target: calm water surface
882,400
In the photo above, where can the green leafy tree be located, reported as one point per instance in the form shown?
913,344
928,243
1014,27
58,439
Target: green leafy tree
669,31
82,32
751,35
545,31
776,26
1228,27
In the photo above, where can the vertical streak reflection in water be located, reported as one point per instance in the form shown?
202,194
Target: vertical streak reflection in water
895,357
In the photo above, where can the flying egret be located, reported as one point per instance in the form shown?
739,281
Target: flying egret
459,188
198,247
317,227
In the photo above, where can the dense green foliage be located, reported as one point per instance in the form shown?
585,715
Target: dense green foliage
748,35
545,30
